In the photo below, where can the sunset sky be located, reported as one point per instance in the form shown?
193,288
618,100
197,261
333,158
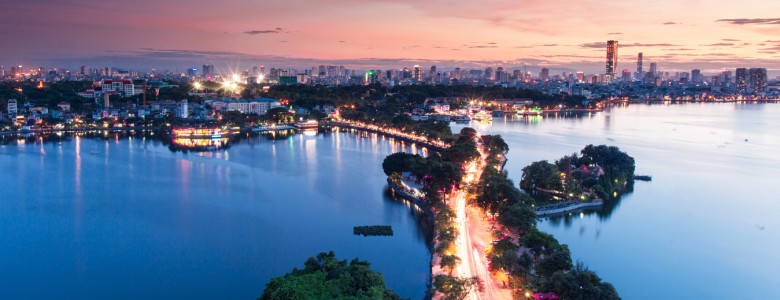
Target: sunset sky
361,34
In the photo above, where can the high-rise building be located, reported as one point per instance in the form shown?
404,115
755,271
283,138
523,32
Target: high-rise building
500,74
757,77
741,80
612,57
182,110
580,76
489,73
12,108
696,76
639,74
545,74
207,70
417,73
626,75
371,77
84,70
517,75
726,77
17,71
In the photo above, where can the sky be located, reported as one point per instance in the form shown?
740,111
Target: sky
678,35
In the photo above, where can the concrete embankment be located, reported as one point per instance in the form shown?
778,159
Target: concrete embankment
556,209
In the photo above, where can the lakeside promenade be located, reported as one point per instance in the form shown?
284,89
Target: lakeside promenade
79,129
436,145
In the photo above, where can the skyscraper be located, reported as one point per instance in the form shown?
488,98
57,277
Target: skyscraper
489,73
696,75
742,80
612,57
545,74
500,74
417,73
757,77
626,75
639,74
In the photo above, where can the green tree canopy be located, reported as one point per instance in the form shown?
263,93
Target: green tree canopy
541,174
326,277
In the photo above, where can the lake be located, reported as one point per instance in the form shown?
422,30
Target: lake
123,217
706,227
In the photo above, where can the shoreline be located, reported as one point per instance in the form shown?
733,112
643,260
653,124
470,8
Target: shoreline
395,136
566,207
426,209
77,130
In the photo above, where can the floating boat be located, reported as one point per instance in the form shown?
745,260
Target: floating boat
307,124
461,119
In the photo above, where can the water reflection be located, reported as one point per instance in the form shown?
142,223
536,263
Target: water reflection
119,206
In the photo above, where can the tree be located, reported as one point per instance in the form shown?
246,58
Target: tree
459,154
325,277
398,162
553,261
537,241
580,284
494,145
280,115
541,174
519,217
449,262
455,288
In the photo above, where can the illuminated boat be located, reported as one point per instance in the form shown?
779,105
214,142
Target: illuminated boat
307,124
213,132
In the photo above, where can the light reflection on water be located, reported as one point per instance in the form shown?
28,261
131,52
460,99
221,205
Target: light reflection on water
124,218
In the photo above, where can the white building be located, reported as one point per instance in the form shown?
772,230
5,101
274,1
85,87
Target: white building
182,112
12,108
247,106
124,86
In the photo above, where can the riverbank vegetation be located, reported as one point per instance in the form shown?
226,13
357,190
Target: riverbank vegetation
529,259
526,258
326,277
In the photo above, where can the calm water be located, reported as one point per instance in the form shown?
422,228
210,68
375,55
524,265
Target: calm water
129,219
706,227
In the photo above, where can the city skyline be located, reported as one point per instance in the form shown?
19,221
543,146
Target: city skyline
537,34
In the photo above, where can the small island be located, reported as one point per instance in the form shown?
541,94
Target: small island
599,174
375,230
